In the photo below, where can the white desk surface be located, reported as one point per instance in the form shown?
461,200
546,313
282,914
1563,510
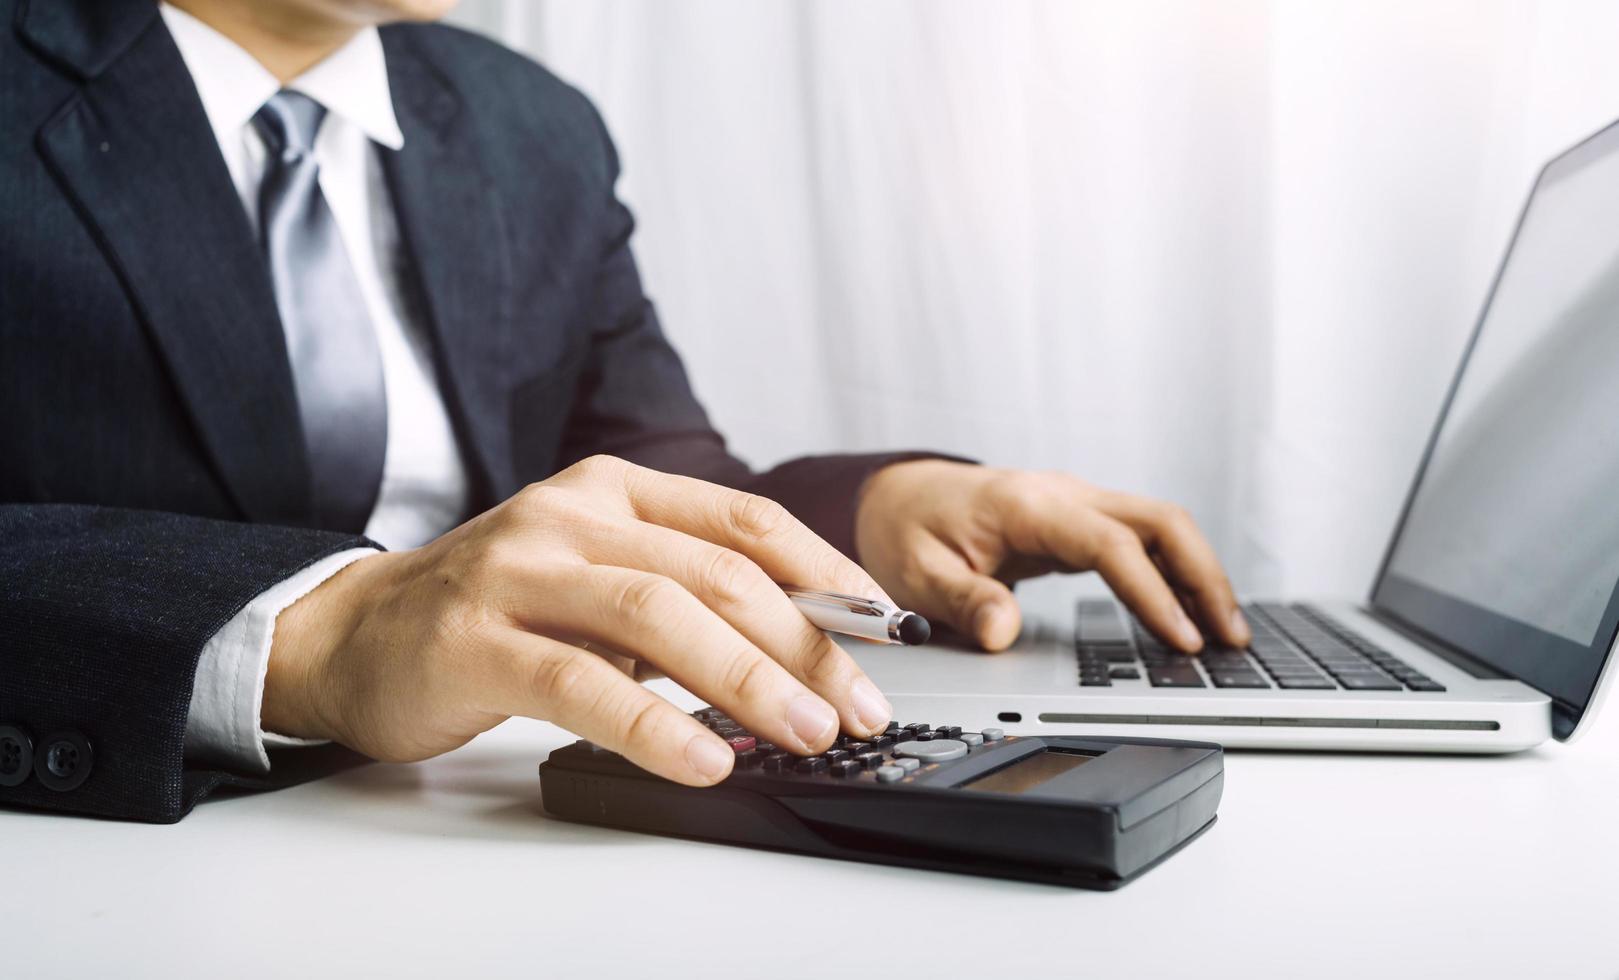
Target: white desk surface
1320,866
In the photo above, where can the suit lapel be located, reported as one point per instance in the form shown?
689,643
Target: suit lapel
452,225
135,151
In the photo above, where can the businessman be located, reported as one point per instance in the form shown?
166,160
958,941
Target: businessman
284,283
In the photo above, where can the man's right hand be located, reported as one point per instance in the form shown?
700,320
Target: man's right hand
402,656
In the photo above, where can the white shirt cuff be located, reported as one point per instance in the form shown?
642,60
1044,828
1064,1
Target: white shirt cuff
228,696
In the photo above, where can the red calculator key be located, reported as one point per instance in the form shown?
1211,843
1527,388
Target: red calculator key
741,743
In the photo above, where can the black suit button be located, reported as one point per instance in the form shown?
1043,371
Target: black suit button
16,755
63,761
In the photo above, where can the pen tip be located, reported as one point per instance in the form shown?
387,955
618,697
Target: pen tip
914,630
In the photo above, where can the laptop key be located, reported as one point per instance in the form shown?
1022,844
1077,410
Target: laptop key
1316,683
1097,624
1124,674
1425,685
1300,671
1364,682
1181,677
1224,679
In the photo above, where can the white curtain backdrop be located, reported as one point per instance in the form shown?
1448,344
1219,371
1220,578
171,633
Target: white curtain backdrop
1221,252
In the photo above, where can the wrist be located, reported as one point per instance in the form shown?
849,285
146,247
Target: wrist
301,694
896,489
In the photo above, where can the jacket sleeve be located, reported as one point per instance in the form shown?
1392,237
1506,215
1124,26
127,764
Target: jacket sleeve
103,613
634,401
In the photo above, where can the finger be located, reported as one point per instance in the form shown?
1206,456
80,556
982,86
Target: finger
1084,537
975,604
631,667
540,678
1187,559
755,526
740,592
653,618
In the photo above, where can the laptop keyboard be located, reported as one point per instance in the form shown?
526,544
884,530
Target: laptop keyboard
1295,647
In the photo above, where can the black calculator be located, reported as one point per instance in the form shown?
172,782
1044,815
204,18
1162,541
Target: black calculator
1067,810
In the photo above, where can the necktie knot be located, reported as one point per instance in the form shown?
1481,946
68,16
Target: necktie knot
288,122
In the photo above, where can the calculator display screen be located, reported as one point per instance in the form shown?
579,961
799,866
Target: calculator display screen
1029,771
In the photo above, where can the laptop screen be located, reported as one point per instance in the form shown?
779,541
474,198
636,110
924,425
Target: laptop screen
1509,545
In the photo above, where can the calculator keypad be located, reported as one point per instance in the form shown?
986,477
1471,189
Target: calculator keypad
897,754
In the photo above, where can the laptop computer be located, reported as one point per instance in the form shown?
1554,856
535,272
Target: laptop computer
1492,621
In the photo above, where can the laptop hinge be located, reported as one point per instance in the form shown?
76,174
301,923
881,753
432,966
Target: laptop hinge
1455,656
1565,716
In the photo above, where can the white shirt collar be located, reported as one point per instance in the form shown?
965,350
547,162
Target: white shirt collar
351,82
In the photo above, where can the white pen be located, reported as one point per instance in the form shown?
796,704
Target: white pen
870,619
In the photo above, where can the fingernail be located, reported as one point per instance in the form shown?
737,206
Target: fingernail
811,719
1239,624
708,756
1188,633
870,706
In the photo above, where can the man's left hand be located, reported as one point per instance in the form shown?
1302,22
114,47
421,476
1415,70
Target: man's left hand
946,539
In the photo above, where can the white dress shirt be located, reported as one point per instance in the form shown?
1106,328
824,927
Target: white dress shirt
424,484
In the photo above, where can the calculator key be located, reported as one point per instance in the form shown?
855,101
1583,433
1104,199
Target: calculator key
857,749
917,726
835,755
727,731
869,760
751,760
780,762
764,749
844,768
948,731
907,764
883,743
891,728
904,735
993,734
890,774
812,764
936,750
742,743
924,737
971,738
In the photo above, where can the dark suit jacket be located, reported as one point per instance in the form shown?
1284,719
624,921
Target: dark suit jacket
152,472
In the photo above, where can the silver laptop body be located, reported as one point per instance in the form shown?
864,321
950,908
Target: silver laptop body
1492,622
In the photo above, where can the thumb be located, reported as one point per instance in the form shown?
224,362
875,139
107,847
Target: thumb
975,604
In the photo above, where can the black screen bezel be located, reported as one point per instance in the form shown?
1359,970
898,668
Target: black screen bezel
1564,670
